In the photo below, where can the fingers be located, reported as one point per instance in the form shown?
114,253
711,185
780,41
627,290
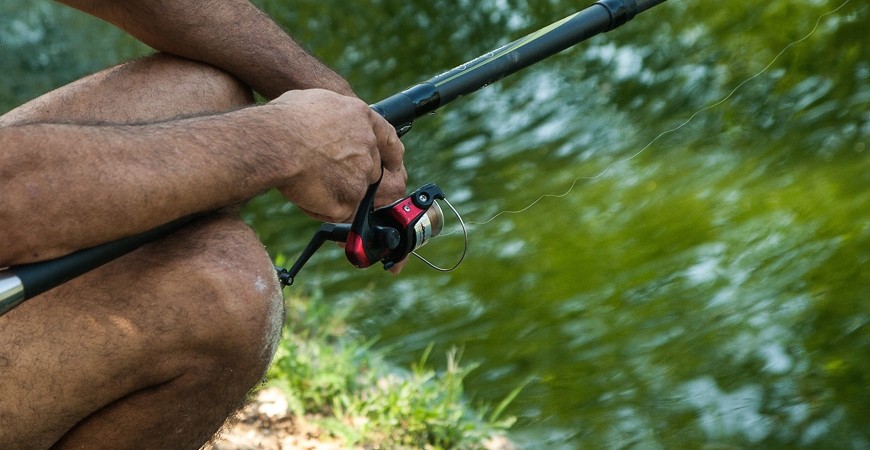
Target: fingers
391,149
333,149
392,186
391,153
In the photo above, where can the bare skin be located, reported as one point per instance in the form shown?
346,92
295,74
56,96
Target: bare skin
321,149
156,349
124,179
230,34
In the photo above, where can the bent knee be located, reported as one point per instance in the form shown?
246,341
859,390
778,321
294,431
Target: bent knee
246,310
232,298
207,87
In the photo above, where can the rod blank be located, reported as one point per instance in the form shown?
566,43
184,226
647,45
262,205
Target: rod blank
403,108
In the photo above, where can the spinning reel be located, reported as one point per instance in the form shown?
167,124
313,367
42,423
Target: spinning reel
387,234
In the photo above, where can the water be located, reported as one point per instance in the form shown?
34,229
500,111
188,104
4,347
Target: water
711,291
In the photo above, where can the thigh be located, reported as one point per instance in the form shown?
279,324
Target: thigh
157,87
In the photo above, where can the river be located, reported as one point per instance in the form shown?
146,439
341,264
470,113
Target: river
669,236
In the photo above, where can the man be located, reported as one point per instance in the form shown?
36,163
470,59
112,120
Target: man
157,348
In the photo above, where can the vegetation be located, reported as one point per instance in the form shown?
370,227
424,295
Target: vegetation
355,395
709,291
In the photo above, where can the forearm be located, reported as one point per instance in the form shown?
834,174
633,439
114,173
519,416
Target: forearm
231,34
66,187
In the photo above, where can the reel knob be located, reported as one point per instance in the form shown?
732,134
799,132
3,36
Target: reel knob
388,237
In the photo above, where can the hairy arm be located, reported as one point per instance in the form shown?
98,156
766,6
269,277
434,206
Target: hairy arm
59,195
231,34
64,187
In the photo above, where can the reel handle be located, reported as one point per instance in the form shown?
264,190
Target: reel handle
327,232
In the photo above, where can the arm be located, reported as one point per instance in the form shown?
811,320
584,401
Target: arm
230,34
66,187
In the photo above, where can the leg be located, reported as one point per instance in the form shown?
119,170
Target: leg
152,351
155,88
156,349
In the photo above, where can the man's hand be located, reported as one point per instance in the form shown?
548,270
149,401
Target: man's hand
235,36
320,148
340,147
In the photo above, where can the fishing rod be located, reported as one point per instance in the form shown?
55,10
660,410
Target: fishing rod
369,238
401,109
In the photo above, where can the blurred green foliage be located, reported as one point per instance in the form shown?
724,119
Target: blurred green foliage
704,287
45,45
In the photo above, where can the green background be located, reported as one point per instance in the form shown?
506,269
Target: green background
711,291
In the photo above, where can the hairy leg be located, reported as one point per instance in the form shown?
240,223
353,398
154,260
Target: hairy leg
155,88
152,351
157,348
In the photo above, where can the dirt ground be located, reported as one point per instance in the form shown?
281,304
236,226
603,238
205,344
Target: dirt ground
265,424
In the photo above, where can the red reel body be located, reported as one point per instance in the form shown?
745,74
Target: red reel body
387,234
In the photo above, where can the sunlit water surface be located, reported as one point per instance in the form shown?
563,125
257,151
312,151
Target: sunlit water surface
706,287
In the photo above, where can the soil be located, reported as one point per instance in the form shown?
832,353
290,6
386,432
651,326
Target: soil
265,424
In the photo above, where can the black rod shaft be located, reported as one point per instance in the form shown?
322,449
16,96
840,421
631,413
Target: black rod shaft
19,283
24,281
401,109
643,5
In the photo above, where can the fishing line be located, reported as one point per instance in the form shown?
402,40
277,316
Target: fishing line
464,250
663,133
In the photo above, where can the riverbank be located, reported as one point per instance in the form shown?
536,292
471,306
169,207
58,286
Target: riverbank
265,424
329,389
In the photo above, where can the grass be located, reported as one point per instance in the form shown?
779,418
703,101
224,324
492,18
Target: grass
337,379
